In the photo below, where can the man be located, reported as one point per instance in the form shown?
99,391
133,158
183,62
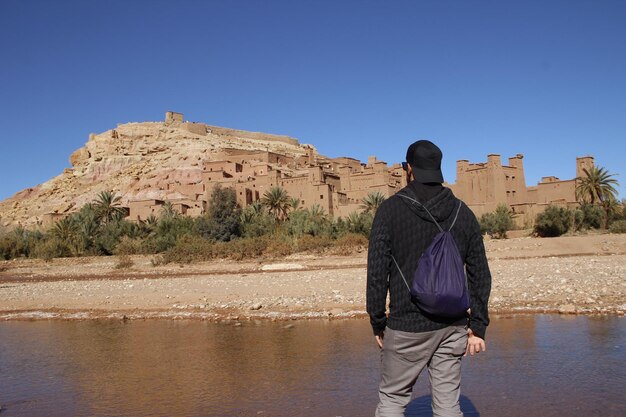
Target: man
409,338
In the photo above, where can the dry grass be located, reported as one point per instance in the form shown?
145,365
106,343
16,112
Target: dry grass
124,261
350,243
191,249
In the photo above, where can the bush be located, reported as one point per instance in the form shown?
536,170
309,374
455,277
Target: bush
111,234
578,219
248,248
157,260
18,242
167,232
618,213
256,222
618,226
280,246
128,246
49,248
309,243
593,217
189,248
222,221
350,242
5,247
499,222
124,261
312,222
358,223
554,221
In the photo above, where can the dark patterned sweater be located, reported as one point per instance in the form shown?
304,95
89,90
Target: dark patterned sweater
404,229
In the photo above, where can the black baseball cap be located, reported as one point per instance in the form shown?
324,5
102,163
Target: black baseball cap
425,160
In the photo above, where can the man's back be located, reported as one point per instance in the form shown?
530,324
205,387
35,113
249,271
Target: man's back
401,232
405,230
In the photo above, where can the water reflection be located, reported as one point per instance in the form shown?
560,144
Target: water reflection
421,407
536,365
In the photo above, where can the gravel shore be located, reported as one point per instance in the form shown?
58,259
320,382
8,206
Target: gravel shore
569,275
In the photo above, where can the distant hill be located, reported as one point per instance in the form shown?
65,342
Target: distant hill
135,160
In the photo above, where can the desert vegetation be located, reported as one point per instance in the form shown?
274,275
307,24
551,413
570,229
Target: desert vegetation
598,207
499,222
275,226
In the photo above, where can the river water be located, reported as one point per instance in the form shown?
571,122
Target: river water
538,365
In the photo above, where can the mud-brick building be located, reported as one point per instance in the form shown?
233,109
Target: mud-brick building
337,185
485,185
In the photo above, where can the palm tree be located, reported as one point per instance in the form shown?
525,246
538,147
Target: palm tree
277,201
148,226
88,225
316,212
372,201
294,203
358,223
597,186
67,231
256,207
151,221
168,211
107,207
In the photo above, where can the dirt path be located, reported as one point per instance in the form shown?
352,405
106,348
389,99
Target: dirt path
580,274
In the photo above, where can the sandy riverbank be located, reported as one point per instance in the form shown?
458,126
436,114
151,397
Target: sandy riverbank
576,274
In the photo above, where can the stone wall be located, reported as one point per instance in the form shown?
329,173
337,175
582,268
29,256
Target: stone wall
483,186
172,116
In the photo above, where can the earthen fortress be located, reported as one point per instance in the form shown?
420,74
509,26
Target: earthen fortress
181,162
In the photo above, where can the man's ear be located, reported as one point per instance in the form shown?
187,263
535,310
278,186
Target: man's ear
409,173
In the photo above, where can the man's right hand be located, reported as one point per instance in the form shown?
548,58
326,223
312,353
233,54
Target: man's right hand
379,339
474,344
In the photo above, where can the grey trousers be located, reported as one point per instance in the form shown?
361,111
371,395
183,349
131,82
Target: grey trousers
405,355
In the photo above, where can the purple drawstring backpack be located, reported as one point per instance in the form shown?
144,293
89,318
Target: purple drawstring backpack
439,284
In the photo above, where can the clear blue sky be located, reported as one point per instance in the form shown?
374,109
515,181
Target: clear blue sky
354,78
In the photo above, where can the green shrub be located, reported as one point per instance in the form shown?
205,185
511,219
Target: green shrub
256,222
188,249
593,216
167,232
312,221
128,246
111,234
222,221
6,246
554,221
618,212
618,226
51,247
359,223
18,242
578,218
499,222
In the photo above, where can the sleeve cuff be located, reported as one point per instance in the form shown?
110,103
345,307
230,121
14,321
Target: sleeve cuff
478,329
379,328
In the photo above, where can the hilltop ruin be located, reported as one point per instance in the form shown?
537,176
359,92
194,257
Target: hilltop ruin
180,162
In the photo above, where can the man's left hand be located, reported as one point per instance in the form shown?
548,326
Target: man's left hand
379,339
474,344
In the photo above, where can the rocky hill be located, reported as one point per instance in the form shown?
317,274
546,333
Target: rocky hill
135,160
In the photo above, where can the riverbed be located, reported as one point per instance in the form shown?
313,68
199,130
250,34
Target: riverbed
535,365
